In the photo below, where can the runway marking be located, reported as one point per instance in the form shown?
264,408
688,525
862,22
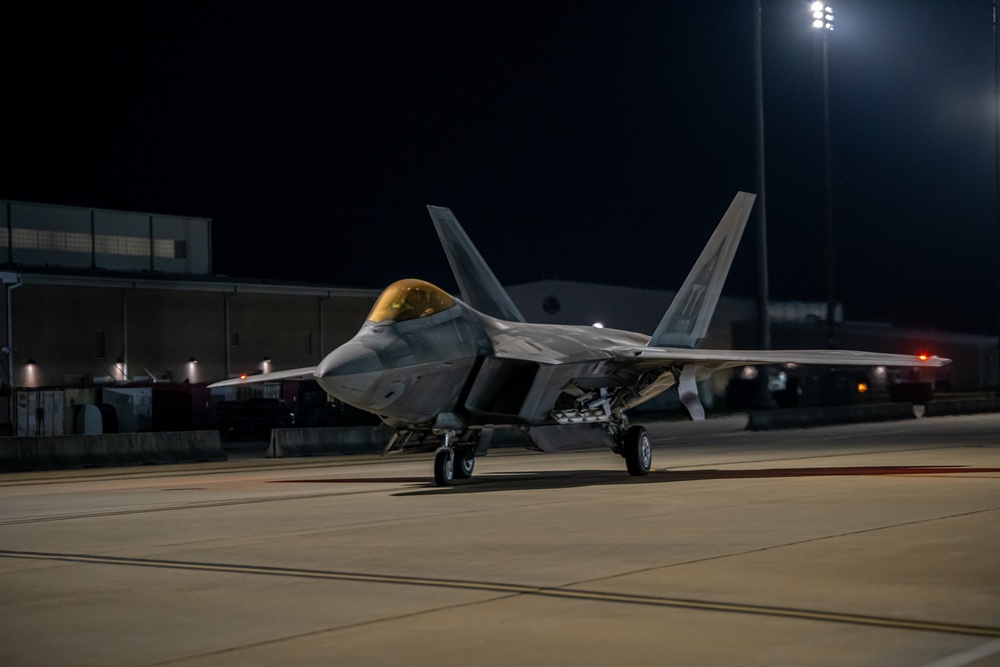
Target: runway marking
187,506
496,587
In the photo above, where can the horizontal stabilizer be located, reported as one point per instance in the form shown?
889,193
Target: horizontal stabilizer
687,318
267,377
479,287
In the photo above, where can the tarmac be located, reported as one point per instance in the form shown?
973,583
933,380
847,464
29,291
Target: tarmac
864,544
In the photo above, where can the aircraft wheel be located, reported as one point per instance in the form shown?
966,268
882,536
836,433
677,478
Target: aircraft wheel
465,462
638,453
444,468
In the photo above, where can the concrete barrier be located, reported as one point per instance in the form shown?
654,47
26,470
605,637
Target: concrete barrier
120,449
329,441
941,407
765,420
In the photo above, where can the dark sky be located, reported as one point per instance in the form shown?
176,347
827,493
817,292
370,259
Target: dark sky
595,141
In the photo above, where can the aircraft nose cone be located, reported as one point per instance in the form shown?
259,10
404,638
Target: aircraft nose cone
349,359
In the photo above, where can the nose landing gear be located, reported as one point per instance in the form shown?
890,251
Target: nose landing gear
453,462
444,467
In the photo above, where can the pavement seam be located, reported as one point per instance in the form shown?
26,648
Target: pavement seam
513,590
336,628
747,552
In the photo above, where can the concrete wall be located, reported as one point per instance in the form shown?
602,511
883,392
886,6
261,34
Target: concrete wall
81,451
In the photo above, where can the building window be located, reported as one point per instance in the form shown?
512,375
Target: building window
42,239
136,246
307,346
100,345
170,248
234,339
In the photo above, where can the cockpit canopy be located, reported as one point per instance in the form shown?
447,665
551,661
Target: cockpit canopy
408,300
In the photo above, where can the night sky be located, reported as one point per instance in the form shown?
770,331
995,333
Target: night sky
593,141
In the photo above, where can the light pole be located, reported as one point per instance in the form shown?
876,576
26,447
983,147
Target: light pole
763,317
996,173
823,21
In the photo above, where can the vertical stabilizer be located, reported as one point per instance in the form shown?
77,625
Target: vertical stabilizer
480,288
687,318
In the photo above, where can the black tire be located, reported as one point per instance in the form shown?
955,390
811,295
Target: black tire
444,468
638,453
465,463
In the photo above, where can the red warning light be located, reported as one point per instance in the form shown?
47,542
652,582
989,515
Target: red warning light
243,377
923,356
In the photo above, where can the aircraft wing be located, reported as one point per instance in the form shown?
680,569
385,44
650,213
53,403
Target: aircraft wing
655,356
267,377
696,365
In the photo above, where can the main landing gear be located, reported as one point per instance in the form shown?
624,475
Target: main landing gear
637,452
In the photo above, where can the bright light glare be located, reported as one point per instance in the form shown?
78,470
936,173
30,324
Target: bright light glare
822,16
749,373
923,357
862,387
598,325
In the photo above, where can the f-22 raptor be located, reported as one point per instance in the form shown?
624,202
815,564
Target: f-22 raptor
444,372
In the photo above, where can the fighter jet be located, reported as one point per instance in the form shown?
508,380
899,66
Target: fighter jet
446,372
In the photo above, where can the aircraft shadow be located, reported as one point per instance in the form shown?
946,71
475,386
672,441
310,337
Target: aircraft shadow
494,482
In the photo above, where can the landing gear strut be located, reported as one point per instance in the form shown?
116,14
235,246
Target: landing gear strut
637,452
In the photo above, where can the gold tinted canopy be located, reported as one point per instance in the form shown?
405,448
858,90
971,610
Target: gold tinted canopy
408,300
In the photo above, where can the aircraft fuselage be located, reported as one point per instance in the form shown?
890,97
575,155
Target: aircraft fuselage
461,363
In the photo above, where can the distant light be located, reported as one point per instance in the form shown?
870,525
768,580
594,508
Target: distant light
31,374
598,325
862,387
923,356
749,373
822,16
879,372
243,376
